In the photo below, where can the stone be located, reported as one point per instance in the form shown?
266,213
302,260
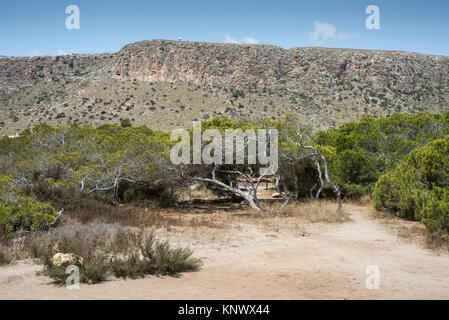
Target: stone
64,260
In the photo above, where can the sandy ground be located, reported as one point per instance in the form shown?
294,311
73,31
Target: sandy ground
257,261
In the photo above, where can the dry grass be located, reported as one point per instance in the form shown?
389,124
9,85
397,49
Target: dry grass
311,212
139,217
364,201
438,241
414,231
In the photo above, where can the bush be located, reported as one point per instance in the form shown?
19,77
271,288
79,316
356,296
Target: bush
57,273
419,187
19,213
5,258
125,123
130,267
157,258
167,261
434,209
124,254
26,215
94,270
371,147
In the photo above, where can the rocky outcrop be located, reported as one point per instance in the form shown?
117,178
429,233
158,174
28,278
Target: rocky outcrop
247,67
256,66
18,71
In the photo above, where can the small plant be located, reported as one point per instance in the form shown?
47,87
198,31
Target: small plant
5,258
237,93
94,270
41,250
157,258
125,123
57,273
130,267
167,261
124,255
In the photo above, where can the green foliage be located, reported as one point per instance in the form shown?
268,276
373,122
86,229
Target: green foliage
57,273
129,267
69,166
434,209
125,255
419,187
165,260
125,123
19,213
94,270
158,258
62,165
367,149
222,123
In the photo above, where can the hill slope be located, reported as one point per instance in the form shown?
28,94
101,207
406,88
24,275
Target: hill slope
166,84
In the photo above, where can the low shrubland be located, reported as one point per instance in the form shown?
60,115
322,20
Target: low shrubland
101,250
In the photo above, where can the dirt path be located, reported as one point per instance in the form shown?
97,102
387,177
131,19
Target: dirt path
251,261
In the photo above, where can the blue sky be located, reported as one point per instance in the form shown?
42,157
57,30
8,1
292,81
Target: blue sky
38,27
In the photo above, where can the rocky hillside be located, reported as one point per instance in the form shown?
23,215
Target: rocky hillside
166,84
252,67
19,71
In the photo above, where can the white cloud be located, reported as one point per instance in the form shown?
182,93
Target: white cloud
246,40
35,53
61,52
325,31
229,39
249,40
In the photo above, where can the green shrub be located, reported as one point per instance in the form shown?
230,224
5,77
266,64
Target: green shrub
130,267
434,209
167,261
26,215
158,258
42,250
94,270
57,273
419,187
371,147
125,255
19,213
125,123
5,258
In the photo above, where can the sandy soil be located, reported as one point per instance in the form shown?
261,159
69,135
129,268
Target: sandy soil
269,261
